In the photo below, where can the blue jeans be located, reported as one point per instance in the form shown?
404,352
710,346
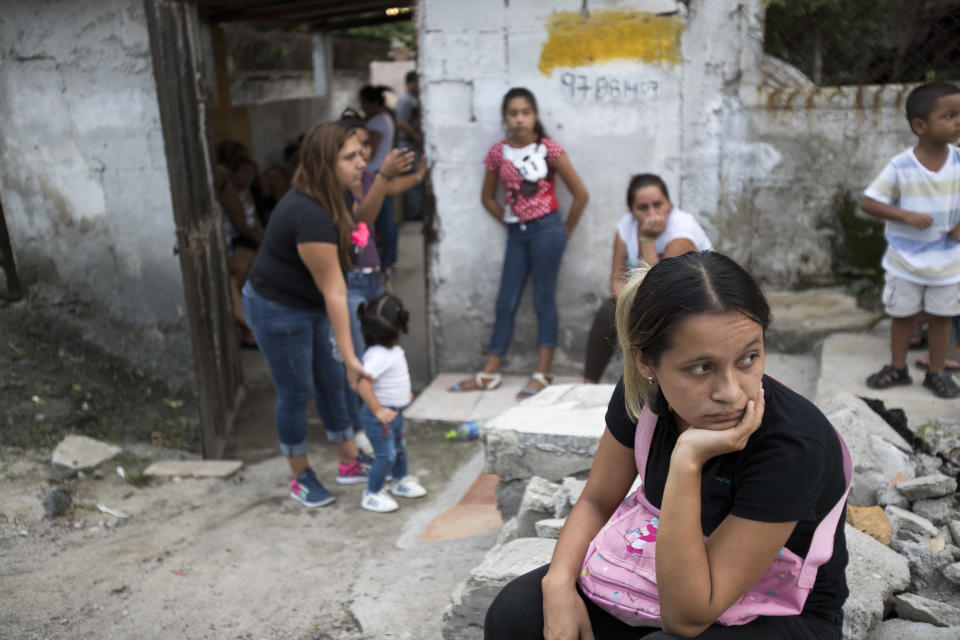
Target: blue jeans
299,347
387,233
412,198
361,288
389,446
536,246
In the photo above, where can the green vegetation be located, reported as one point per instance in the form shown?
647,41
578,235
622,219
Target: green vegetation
840,42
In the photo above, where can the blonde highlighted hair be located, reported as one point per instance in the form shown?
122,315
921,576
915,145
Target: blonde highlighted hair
316,176
656,300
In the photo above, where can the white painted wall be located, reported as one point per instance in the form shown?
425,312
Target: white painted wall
82,167
766,171
470,54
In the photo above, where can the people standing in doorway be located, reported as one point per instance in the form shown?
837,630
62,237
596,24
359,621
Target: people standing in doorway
242,233
382,134
276,180
918,194
527,162
653,229
296,304
410,136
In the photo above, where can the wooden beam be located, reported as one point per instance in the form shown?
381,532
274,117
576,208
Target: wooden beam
173,27
6,261
307,11
348,23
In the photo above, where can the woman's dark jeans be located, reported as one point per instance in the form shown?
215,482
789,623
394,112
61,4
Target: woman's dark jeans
602,342
536,248
517,614
387,234
300,349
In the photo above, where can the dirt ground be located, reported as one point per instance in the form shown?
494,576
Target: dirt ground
200,558
52,382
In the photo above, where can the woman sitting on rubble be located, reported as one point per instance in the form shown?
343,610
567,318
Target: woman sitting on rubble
296,296
737,529
652,229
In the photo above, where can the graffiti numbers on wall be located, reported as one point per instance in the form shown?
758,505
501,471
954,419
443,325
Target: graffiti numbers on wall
584,88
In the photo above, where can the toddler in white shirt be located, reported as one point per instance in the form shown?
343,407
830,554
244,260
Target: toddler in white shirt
382,321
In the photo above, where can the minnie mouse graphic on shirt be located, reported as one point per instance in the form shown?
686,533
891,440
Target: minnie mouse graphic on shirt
527,175
531,164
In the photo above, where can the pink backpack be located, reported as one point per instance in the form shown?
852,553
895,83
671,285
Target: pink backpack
619,571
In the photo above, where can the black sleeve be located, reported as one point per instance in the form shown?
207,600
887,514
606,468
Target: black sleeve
621,426
315,225
780,478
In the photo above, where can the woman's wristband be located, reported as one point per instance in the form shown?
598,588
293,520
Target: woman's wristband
386,177
648,238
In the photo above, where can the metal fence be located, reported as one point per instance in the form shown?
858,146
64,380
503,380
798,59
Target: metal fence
844,42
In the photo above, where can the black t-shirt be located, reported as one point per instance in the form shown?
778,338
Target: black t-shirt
278,273
791,469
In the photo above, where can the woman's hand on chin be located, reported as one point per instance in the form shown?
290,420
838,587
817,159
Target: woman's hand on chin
698,444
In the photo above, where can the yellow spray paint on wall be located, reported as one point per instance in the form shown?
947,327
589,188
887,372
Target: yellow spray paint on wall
575,41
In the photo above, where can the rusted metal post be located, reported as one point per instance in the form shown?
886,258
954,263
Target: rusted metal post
175,47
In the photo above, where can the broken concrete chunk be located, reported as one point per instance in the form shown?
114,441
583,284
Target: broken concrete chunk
463,619
903,521
888,496
926,562
874,573
937,510
549,528
196,468
932,486
567,496
81,452
536,504
955,531
952,572
911,606
896,629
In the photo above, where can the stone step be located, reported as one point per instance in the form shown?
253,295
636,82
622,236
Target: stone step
802,318
436,404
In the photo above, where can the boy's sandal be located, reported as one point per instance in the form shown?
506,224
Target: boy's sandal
484,382
529,392
952,363
889,376
942,384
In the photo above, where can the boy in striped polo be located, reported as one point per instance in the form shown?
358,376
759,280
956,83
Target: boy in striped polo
918,194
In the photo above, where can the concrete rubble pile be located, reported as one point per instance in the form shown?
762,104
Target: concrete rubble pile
903,522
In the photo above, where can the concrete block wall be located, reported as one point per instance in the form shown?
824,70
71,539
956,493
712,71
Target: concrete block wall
470,56
83,173
765,170
802,152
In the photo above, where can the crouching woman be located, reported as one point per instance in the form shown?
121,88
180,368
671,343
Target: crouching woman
744,484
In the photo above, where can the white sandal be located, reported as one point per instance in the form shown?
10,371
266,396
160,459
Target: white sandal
543,378
484,381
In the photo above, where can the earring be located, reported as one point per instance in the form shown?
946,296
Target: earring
650,380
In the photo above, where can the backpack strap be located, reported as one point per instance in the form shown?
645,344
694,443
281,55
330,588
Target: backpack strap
641,450
821,545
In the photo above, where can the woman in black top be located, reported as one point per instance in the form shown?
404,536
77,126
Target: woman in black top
735,456
296,297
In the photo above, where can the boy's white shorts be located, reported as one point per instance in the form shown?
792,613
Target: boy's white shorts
902,298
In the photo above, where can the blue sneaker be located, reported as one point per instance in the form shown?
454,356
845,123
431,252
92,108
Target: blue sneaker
307,489
365,460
